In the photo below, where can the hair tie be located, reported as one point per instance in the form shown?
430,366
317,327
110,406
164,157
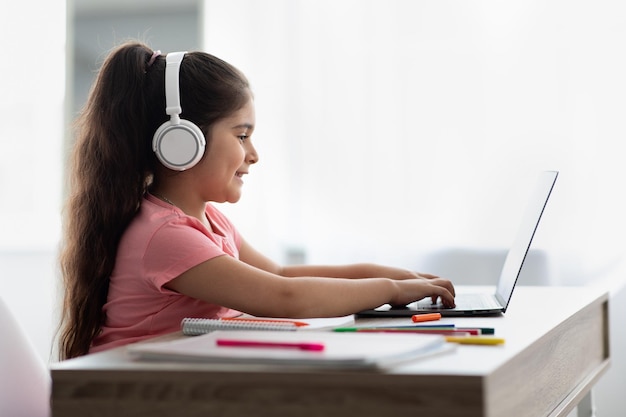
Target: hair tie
153,58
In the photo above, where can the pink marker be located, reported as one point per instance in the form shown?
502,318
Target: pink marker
263,344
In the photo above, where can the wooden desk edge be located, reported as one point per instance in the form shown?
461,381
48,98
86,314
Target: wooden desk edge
585,386
571,401
255,383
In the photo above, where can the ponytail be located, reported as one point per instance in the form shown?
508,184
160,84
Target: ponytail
108,172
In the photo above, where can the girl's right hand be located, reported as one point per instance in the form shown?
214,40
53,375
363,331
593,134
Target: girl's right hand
416,289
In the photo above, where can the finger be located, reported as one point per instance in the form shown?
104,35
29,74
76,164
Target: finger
450,287
444,283
447,299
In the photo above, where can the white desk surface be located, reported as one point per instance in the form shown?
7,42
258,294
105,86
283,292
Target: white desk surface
556,338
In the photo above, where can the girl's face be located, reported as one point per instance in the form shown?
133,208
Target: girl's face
228,156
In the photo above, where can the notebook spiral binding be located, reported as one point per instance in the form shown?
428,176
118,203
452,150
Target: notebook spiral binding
198,326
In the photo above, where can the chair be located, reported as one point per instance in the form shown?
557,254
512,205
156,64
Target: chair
468,266
25,380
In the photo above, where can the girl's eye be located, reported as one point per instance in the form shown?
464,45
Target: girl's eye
242,137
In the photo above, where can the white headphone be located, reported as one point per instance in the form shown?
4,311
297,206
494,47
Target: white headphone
178,143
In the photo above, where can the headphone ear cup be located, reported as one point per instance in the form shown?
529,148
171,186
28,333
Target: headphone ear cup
179,146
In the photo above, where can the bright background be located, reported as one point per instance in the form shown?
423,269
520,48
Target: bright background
390,128
394,131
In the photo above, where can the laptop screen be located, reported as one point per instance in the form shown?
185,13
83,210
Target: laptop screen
518,251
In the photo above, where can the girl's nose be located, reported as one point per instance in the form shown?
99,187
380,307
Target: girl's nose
252,156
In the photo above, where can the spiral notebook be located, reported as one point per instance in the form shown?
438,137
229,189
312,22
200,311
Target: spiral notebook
196,326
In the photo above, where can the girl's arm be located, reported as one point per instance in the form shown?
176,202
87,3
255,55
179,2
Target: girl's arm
252,289
252,257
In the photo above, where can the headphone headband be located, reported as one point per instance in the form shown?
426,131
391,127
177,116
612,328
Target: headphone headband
178,144
172,92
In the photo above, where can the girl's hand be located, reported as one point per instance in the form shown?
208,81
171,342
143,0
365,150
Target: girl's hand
425,286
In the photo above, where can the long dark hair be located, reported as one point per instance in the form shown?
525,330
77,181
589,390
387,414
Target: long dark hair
112,165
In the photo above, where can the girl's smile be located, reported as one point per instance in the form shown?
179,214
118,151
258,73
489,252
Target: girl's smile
228,156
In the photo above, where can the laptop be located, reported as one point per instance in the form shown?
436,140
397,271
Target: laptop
485,304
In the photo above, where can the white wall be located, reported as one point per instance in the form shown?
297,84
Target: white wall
32,106
391,128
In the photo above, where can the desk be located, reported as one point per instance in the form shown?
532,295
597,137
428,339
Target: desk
557,347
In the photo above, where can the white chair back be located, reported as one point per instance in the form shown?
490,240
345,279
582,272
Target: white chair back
25,380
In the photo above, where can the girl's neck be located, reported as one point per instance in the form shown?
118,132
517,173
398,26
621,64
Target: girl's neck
193,209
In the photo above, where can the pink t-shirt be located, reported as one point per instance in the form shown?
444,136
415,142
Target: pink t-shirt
161,243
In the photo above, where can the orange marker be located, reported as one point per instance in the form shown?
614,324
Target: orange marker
418,318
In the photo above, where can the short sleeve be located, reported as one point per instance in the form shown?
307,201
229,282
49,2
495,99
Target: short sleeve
175,248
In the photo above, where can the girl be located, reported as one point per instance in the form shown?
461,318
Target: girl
144,247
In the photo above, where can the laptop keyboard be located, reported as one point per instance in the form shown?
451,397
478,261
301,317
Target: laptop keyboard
463,301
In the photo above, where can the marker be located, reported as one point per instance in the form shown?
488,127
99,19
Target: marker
253,320
474,331
423,326
418,318
414,326
483,330
475,340
263,344
450,332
